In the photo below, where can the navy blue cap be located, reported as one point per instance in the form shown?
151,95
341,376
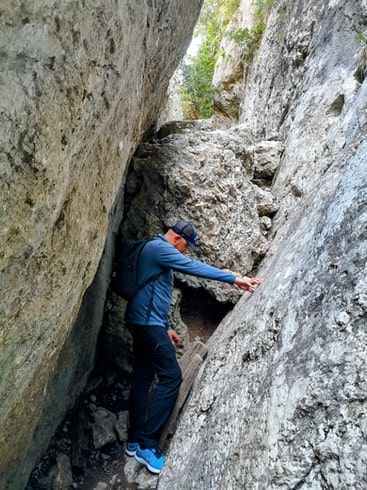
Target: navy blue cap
188,232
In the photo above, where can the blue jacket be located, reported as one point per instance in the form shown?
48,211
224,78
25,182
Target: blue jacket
151,305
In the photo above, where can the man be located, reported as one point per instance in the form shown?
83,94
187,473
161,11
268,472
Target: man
153,338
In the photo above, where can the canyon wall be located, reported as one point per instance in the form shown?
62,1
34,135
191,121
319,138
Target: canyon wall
81,82
280,402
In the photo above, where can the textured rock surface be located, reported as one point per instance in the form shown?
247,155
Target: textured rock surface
231,69
171,110
80,84
217,180
281,401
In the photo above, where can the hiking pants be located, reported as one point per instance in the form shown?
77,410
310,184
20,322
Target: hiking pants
154,355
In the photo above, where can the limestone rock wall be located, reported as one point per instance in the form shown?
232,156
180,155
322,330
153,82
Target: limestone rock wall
215,179
80,84
231,70
280,402
172,109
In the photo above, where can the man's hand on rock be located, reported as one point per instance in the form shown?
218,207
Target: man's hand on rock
247,283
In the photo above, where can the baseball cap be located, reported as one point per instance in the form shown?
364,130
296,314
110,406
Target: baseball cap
188,232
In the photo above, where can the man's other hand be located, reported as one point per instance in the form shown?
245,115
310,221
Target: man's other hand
175,339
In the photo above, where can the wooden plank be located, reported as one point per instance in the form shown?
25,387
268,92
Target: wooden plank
190,364
196,348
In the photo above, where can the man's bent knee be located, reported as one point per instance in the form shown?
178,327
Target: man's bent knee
173,378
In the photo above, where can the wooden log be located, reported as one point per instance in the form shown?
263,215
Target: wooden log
196,348
190,364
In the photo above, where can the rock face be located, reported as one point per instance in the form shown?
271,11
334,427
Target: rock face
281,400
217,180
230,74
80,84
171,110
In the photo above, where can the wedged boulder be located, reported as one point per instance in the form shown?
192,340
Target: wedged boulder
219,181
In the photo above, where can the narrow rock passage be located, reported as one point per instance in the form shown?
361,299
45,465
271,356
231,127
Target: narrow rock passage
87,451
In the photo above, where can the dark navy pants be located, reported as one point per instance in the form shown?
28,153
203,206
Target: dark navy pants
154,356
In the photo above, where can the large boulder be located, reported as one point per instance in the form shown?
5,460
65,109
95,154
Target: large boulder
217,180
80,84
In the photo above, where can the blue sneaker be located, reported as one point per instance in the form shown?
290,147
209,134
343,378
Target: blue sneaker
131,448
152,458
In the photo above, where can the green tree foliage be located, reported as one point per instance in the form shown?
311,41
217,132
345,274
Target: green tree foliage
250,39
197,71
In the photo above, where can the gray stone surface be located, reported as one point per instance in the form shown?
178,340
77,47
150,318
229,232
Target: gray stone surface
122,425
61,477
216,179
281,400
280,403
80,84
172,109
231,70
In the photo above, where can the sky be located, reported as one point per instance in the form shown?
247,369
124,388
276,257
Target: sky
194,46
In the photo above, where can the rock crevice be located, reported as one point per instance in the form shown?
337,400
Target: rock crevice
280,402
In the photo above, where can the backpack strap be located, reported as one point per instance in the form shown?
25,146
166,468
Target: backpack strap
152,278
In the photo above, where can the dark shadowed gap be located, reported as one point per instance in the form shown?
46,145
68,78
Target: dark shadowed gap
107,392
201,312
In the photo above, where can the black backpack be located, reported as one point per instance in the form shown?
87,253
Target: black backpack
124,276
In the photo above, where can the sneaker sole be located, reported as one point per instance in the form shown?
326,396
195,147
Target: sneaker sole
145,463
130,453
